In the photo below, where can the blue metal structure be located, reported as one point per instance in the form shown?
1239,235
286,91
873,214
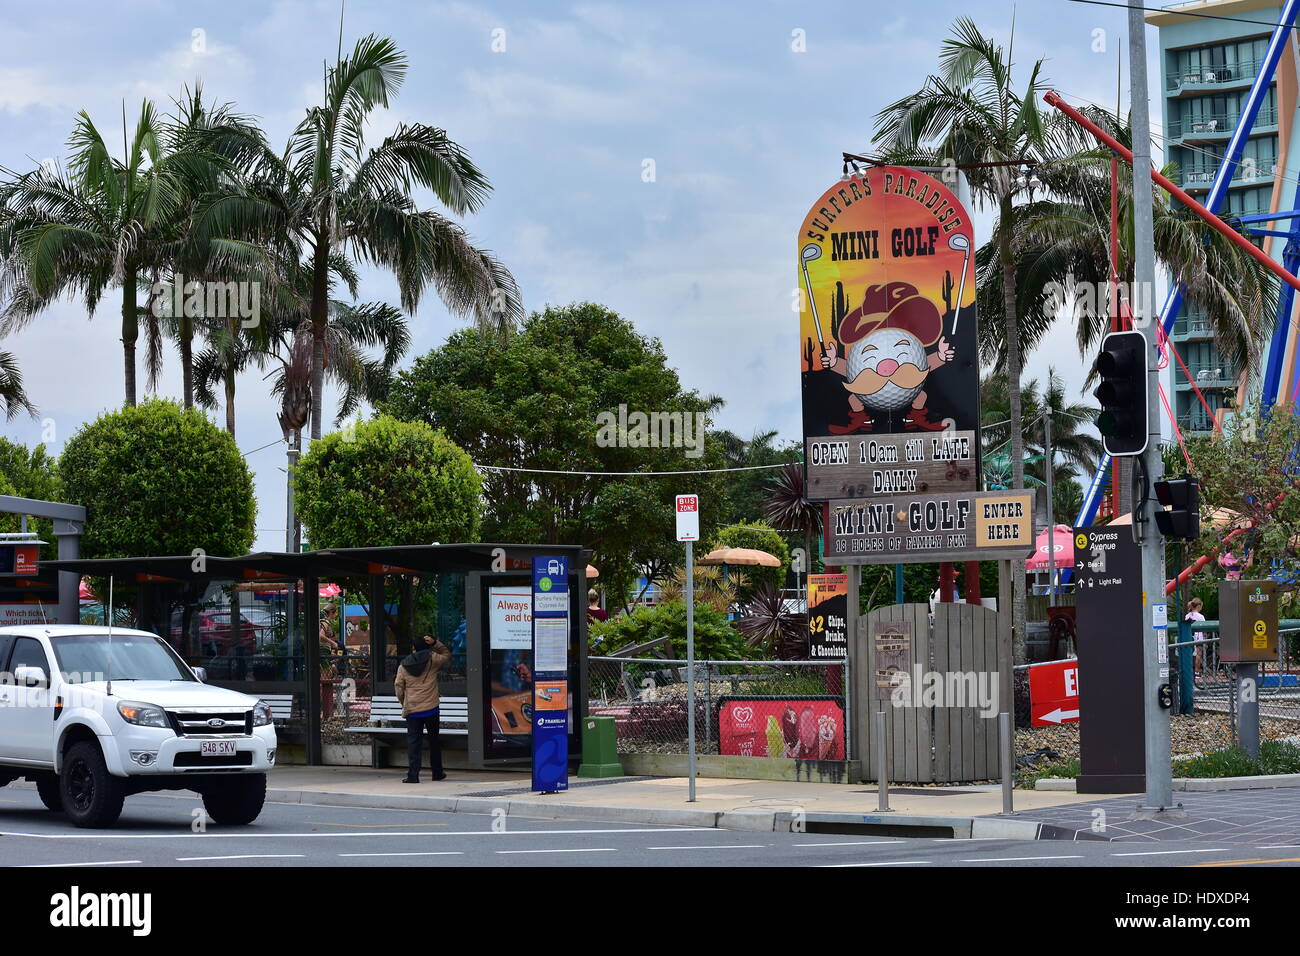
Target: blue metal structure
1218,193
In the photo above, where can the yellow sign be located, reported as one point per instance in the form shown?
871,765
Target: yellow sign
1004,521
1081,541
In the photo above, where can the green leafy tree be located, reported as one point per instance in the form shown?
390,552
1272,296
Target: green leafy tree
386,482
159,479
31,473
1249,479
715,639
762,537
539,401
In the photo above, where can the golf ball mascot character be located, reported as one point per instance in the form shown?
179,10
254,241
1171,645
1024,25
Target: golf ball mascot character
893,341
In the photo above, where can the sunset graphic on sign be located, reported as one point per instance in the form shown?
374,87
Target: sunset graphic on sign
886,225
885,265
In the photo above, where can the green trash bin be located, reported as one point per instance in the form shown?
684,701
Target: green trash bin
599,748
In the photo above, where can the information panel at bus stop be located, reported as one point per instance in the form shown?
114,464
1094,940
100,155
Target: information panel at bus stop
550,674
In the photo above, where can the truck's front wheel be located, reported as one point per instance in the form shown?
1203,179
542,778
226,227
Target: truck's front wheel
92,797
235,800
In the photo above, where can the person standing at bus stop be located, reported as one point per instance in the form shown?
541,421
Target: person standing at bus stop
416,688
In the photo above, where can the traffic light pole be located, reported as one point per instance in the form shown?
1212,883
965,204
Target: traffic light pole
1158,800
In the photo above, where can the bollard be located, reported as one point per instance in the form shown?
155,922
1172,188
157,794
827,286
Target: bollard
882,764
1248,708
1008,763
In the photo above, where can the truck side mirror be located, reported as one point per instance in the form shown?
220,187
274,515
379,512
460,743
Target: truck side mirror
29,676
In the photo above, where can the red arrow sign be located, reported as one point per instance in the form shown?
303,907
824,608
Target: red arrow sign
1053,693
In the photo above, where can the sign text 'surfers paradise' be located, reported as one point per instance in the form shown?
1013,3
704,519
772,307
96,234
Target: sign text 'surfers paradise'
955,526
886,266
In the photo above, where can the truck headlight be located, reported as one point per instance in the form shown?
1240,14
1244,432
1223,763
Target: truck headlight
262,714
143,715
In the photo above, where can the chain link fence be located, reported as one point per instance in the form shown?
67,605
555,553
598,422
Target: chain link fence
1214,687
797,709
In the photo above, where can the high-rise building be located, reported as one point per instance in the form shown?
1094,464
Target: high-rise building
1208,65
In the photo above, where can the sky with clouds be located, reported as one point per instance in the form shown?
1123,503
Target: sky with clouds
743,122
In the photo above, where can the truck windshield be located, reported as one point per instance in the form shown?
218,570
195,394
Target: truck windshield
85,657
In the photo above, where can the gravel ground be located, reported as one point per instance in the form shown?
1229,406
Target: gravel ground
1192,734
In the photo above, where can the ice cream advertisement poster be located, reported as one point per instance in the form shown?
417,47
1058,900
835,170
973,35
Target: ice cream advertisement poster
798,728
885,265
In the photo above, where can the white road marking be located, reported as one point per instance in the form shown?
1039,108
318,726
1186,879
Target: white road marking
241,856
1016,859
1281,846
721,846
38,866
586,849
886,863
1172,852
413,853
369,835
853,843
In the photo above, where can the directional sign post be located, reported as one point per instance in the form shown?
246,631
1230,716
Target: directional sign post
688,531
1053,693
1111,627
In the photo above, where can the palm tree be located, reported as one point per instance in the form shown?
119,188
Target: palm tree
1077,448
102,222
13,398
1063,244
328,194
786,509
197,126
972,114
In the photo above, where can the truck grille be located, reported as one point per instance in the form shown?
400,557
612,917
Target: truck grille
238,723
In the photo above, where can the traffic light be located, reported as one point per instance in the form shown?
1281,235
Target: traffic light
1183,497
1122,394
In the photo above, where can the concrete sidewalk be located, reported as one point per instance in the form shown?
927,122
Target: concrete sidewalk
764,805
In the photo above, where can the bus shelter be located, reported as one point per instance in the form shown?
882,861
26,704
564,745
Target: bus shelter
320,636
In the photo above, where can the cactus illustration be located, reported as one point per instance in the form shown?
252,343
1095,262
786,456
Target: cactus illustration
947,291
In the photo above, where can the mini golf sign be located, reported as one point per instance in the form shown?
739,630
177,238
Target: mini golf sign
887,338
903,529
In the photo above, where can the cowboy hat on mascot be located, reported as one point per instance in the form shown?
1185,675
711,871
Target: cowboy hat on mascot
887,358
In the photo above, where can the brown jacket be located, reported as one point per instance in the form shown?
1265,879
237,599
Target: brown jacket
419,692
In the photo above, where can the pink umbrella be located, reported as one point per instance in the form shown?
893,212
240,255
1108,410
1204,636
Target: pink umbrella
1063,549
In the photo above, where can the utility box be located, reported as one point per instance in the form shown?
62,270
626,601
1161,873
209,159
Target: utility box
1248,621
599,748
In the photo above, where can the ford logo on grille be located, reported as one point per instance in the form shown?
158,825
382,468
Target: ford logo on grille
216,722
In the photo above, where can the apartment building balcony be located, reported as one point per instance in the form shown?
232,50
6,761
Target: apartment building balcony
1208,79
1200,178
1208,377
1217,128
1191,328
1196,424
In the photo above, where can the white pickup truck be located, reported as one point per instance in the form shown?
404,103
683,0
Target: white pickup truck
91,718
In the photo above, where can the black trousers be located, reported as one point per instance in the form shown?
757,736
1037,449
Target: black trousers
415,728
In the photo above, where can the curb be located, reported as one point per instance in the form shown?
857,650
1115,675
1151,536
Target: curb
1196,784
755,821
1216,784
